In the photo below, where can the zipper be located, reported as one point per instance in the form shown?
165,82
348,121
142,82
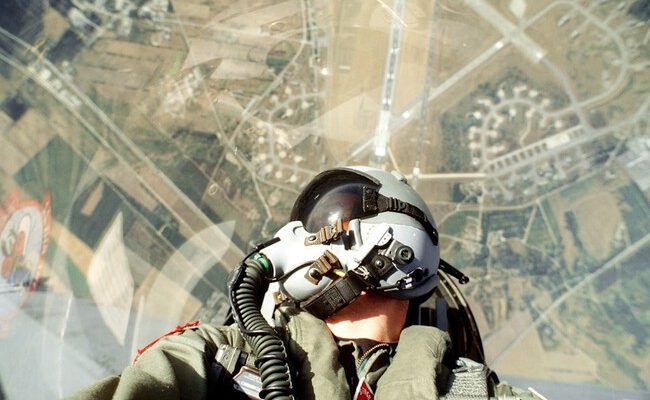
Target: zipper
366,356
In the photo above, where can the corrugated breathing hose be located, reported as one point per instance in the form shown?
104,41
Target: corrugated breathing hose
246,289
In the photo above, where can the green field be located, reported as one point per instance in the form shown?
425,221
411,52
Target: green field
455,224
579,189
68,272
637,214
548,211
512,222
57,169
460,258
539,235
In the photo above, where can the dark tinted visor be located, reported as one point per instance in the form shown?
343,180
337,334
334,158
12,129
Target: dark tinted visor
331,196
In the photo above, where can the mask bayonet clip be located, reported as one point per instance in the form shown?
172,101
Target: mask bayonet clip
322,266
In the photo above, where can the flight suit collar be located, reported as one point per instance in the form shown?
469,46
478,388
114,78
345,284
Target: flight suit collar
314,355
412,372
417,369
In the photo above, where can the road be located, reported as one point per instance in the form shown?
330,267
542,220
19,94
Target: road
382,131
623,57
515,35
158,184
510,31
410,112
511,34
451,176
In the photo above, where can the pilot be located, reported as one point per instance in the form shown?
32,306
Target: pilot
360,250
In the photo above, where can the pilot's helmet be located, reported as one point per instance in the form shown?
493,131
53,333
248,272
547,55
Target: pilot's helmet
363,198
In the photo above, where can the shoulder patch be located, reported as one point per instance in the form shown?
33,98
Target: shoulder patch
177,329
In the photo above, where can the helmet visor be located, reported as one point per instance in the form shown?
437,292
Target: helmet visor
331,197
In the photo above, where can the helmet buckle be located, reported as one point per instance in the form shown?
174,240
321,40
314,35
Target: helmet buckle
322,266
326,234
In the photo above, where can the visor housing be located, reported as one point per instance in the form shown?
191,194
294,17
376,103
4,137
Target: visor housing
330,196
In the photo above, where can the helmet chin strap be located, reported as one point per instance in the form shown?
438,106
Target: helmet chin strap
376,257
358,278
347,289
338,295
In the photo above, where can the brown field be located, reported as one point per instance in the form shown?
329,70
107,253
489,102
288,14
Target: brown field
12,158
405,146
499,340
553,38
609,371
411,72
78,251
267,14
54,25
133,50
597,213
509,56
192,11
532,8
124,178
30,133
353,85
434,190
5,85
463,35
529,358
598,217
587,66
122,65
112,78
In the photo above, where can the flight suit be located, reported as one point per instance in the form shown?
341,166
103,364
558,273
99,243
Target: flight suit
178,366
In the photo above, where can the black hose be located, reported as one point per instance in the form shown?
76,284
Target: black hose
247,289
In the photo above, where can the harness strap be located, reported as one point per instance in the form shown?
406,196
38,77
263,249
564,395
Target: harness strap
234,367
375,203
335,297
468,381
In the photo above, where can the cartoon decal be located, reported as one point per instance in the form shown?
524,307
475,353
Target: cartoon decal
24,237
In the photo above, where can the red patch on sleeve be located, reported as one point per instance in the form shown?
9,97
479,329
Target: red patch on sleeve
179,328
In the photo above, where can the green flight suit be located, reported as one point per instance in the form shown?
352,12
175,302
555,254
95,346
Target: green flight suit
177,366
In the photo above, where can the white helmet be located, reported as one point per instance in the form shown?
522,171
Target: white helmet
355,229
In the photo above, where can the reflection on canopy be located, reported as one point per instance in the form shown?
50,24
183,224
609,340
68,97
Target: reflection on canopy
146,145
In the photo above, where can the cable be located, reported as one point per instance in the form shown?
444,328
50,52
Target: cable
246,293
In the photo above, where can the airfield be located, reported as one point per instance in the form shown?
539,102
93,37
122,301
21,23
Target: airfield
161,140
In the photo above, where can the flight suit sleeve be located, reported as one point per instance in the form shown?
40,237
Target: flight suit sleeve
176,366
